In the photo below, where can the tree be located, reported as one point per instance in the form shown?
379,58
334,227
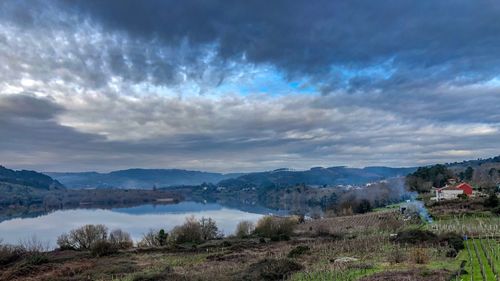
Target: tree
209,228
162,237
120,239
244,229
424,178
149,239
469,172
82,238
492,201
364,206
190,231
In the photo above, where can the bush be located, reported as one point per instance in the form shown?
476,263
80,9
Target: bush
190,231
298,251
270,269
149,239
37,258
102,248
492,201
415,236
64,243
420,256
121,239
33,245
209,229
275,227
9,254
454,240
397,255
322,228
162,237
82,238
451,253
244,229
280,237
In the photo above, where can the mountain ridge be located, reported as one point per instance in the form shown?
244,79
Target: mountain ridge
28,178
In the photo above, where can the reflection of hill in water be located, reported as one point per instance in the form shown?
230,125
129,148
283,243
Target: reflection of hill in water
179,208
192,206
256,209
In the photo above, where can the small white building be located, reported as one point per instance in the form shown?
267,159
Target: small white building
447,192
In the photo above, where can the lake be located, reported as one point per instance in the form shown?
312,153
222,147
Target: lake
135,220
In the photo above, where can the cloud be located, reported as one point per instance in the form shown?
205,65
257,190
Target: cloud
102,85
336,43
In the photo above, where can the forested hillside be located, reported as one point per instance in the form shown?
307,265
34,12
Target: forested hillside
29,179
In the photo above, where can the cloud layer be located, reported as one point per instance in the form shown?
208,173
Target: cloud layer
227,86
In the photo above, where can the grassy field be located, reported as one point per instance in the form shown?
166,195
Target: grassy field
381,245
482,257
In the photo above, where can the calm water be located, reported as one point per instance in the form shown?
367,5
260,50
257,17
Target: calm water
135,220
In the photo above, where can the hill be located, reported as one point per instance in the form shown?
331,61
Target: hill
317,176
139,178
149,178
29,179
481,173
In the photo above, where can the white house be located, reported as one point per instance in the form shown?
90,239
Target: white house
447,192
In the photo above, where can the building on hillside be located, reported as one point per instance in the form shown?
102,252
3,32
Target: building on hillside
467,188
447,193
452,191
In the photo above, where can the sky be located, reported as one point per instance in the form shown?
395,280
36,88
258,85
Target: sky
91,85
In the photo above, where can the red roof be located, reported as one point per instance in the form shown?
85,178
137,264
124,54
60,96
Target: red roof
466,188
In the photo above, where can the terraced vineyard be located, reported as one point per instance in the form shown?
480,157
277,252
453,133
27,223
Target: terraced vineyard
483,259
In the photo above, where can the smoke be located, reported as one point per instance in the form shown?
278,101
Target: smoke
413,204
384,193
419,208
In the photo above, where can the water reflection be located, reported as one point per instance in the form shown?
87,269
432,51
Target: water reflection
135,220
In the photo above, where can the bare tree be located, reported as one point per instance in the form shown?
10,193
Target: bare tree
121,239
82,238
209,228
244,229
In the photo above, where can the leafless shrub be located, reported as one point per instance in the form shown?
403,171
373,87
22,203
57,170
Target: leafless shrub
420,256
102,248
190,231
209,229
33,245
244,229
64,242
121,239
9,253
275,227
149,239
82,238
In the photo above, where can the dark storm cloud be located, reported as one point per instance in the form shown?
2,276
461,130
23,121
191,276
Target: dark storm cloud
27,106
102,85
426,42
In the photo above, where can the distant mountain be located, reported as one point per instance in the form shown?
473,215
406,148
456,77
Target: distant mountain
29,179
139,178
317,176
495,161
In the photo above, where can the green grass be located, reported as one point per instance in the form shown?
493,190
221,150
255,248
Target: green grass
333,275
475,269
482,256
